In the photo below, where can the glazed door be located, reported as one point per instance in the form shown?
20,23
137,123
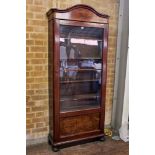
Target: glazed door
80,67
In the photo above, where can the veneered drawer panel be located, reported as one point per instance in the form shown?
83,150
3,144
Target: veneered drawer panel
79,124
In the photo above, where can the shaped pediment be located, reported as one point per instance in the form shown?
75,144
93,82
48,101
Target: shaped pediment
78,13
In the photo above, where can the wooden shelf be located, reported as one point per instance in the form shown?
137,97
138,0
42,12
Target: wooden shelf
79,102
81,37
79,97
79,69
77,81
74,108
91,58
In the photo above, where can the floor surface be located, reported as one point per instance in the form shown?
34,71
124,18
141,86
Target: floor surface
108,147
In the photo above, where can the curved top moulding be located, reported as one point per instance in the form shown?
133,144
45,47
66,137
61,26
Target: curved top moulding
79,13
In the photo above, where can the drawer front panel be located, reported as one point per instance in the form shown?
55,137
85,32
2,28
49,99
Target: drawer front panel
79,124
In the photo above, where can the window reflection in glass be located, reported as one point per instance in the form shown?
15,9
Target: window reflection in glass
80,67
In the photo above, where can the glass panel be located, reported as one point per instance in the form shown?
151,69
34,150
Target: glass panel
80,67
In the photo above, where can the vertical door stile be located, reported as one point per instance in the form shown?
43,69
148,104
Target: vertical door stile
56,82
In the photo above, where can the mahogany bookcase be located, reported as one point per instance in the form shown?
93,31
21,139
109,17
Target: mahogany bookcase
78,44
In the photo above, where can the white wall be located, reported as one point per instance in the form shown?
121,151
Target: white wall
126,96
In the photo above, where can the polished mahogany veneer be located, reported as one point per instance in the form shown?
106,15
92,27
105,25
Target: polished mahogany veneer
78,44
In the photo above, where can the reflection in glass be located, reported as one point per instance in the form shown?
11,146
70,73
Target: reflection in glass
80,67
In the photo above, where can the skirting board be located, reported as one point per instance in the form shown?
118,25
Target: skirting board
36,141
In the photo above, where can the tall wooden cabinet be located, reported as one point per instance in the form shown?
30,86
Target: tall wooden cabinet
78,43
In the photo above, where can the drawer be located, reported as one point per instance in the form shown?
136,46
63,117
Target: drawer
79,124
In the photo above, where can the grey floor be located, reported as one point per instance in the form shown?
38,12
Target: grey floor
108,147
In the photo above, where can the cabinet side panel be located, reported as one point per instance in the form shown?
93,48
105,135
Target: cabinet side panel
50,74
